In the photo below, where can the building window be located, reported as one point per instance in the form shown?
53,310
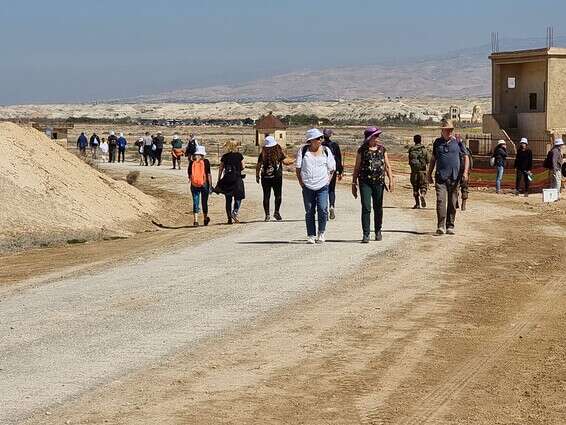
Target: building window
511,83
533,101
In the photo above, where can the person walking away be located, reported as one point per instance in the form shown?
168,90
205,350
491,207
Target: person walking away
464,184
158,141
112,144
82,143
448,156
419,158
191,146
94,142
523,166
147,149
176,151
315,166
553,163
500,158
269,170
122,143
139,146
104,149
230,180
372,165
335,149
200,179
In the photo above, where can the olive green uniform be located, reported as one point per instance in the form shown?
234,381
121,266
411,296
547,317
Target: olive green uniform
419,158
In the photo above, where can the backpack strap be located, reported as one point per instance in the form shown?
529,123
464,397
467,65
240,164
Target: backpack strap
306,147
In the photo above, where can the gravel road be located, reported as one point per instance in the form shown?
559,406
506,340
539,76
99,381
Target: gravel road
67,336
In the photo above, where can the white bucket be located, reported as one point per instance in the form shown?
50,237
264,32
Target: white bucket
549,195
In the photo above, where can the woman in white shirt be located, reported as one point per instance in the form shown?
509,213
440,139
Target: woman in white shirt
315,167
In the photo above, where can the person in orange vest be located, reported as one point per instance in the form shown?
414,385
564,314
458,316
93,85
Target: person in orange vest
200,180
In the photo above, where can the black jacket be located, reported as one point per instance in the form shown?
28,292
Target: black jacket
524,160
500,155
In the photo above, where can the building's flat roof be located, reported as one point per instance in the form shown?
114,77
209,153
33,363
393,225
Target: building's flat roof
530,54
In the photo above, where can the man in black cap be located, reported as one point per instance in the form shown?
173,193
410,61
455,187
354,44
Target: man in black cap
335,149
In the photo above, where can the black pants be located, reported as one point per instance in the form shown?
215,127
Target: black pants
112,154
276,184
522,174
157,156
147,154
332,191
122,154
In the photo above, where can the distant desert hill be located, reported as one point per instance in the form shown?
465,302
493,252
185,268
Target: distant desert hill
459,74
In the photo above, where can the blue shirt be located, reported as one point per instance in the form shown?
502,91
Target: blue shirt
122,142
448,158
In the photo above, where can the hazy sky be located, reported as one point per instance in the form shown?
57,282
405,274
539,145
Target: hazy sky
63,50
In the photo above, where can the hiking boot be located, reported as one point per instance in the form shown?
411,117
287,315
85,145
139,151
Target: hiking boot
230,221
450,231
332,214
417,202
267,218
463,205
277,216
321,237
365,239
423,202
440,231
378,236
206,221
311,240
195,223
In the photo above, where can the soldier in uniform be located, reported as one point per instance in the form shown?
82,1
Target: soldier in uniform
419,159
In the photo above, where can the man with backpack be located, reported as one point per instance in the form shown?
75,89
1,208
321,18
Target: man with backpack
94,143
448,159
112,144
315,166
419,159
176,151
335,149
554,163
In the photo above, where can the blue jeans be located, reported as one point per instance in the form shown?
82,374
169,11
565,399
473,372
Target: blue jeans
198,193
237,203
316,201
499,177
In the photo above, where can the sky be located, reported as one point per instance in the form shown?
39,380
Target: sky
82,51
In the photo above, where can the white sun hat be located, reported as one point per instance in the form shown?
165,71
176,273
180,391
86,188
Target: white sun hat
112,133
121,134
313,133
200,150
558,142
176,137
270,142
501,142
524,141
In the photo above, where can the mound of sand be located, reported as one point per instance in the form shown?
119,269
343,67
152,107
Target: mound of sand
49,195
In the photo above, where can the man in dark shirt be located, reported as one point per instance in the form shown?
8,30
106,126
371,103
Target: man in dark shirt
335,149
523,165
158,141
112,144
448,155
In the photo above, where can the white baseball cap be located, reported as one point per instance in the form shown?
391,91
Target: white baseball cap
558,142
175,137
270,142
112,133
524,141
313,133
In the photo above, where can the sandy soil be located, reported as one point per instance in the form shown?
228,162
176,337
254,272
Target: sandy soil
462,330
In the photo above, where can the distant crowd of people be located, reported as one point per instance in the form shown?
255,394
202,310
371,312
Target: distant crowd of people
319,165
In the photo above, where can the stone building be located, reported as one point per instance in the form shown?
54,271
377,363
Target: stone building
528,97
270,125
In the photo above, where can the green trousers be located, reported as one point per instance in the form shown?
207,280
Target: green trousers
371,195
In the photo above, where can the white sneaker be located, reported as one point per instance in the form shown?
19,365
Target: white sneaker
321,237
311,240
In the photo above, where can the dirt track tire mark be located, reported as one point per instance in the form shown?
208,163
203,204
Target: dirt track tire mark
433,403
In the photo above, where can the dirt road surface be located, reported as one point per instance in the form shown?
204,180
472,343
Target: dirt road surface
254,326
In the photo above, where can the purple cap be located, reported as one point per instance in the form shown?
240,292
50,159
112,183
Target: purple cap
327,132
372,131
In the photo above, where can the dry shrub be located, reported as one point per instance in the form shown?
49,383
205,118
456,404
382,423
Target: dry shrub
132,177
